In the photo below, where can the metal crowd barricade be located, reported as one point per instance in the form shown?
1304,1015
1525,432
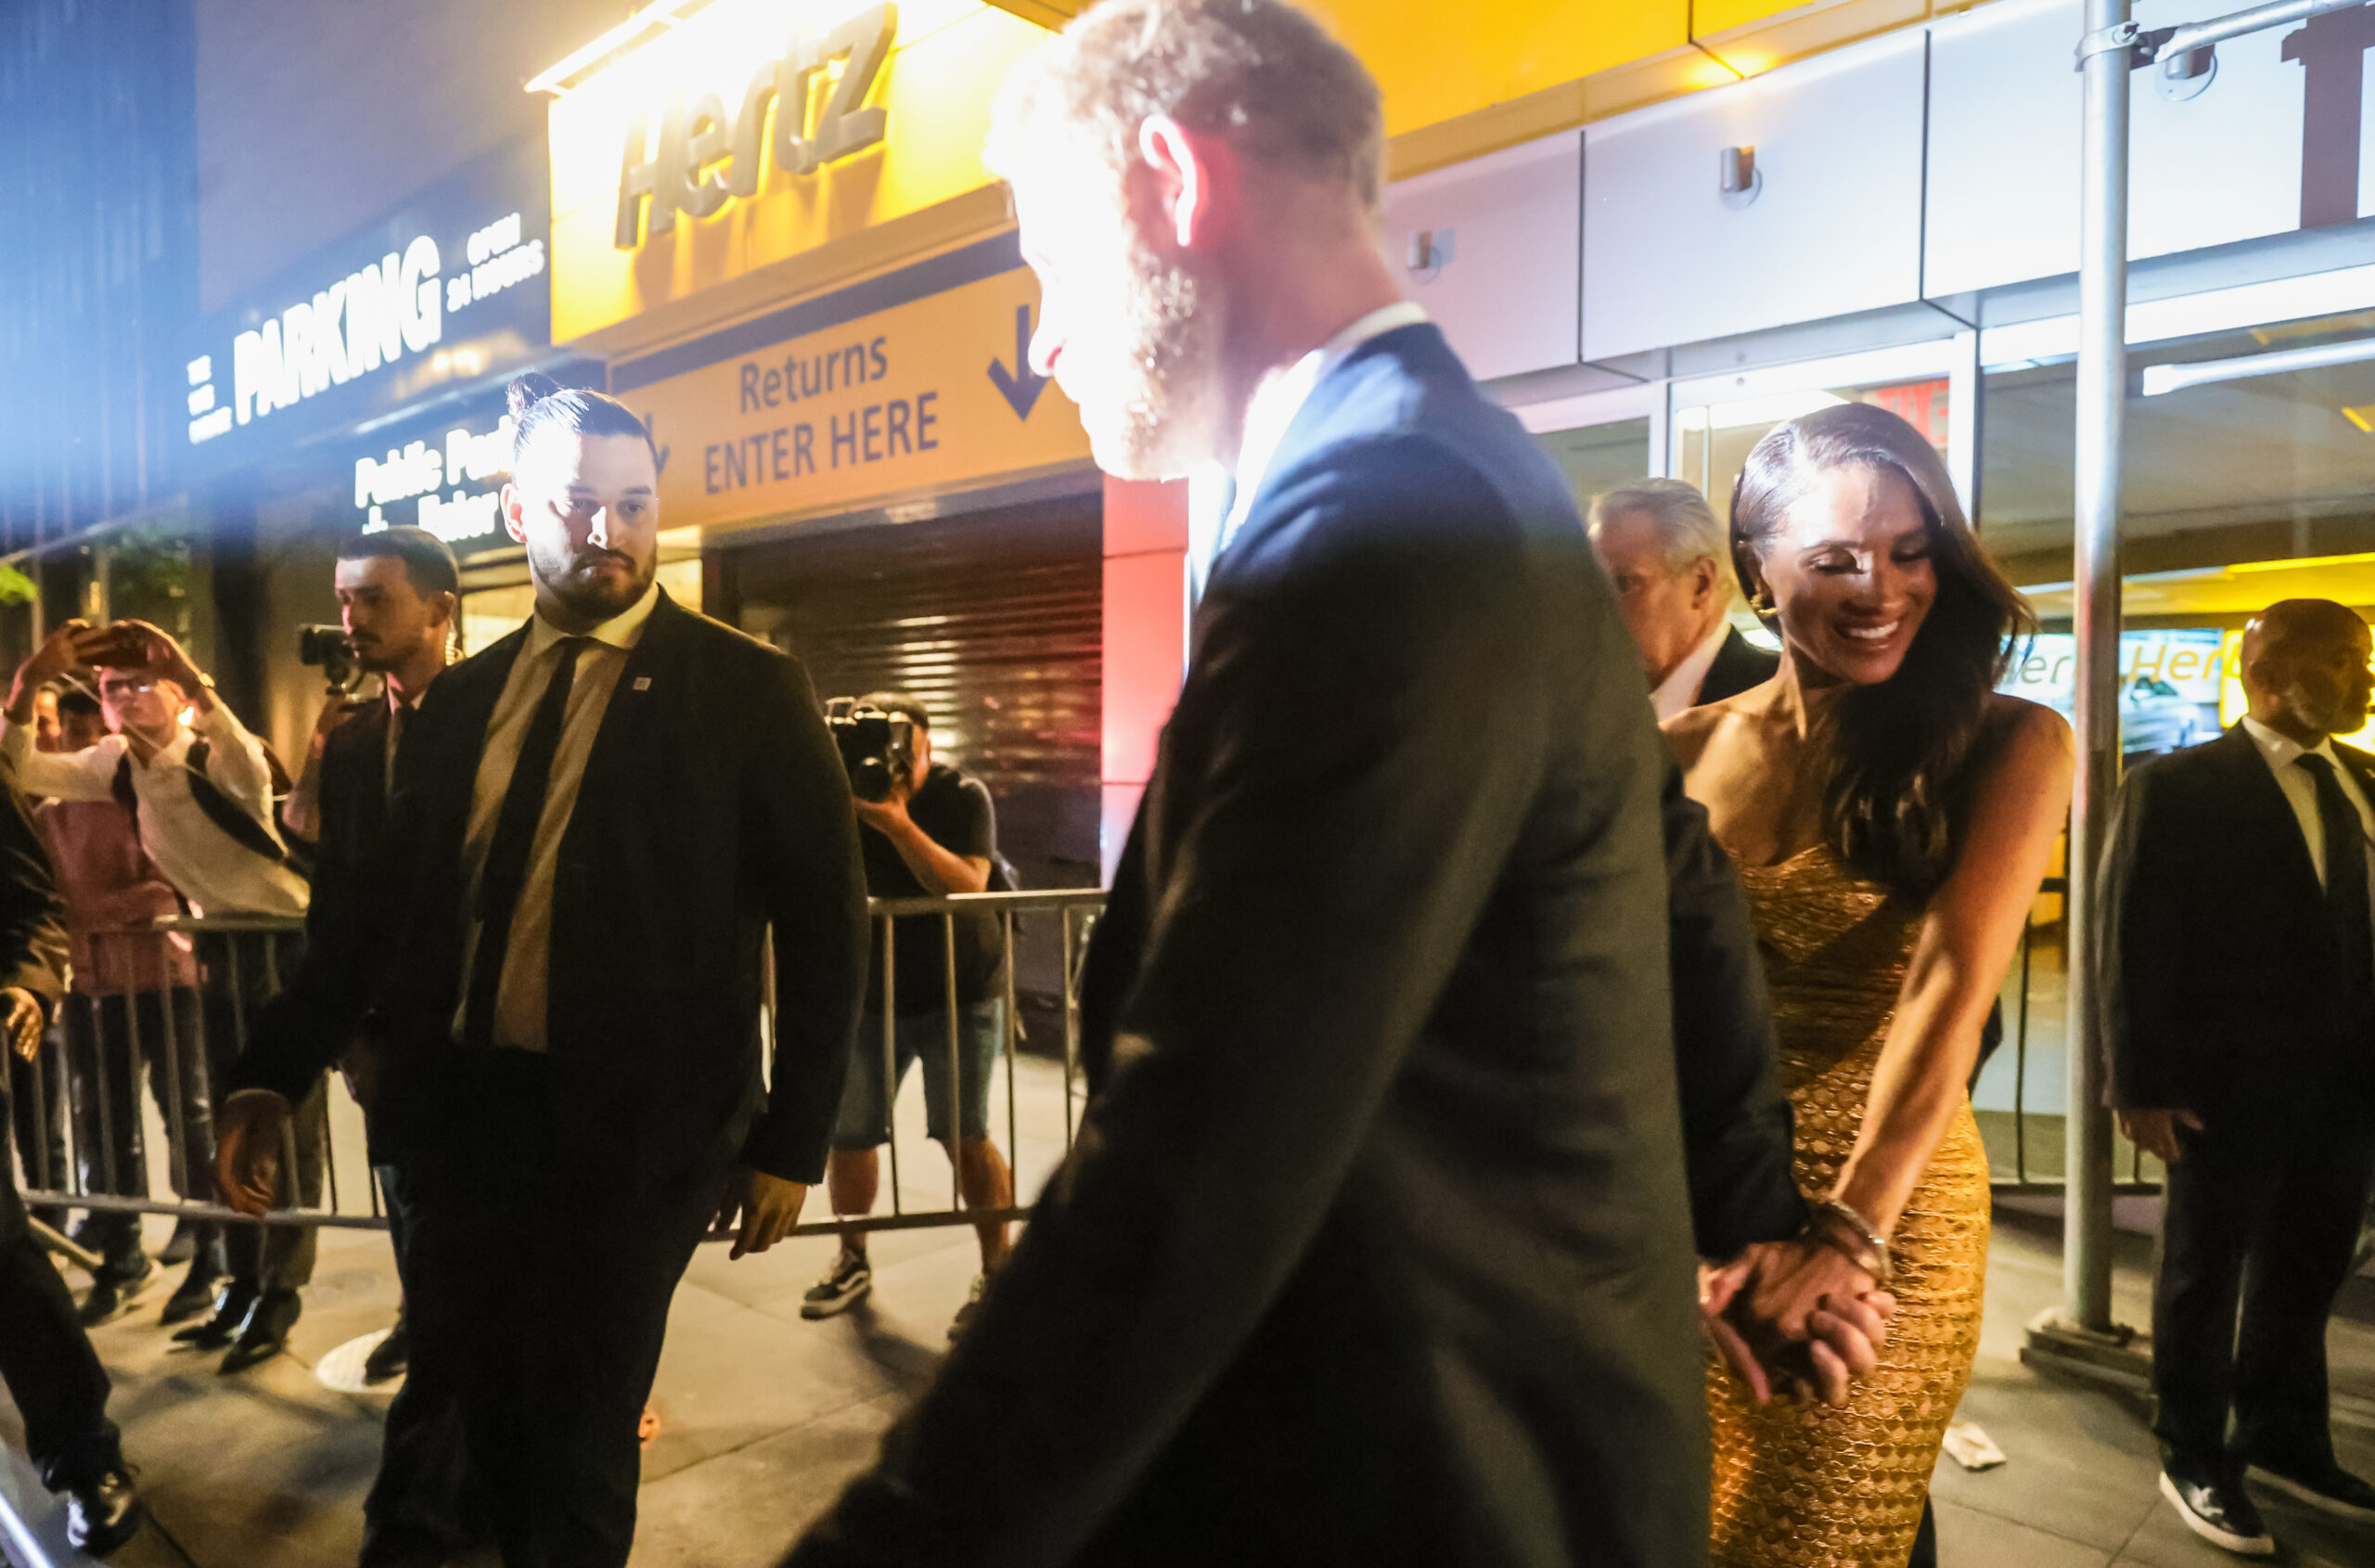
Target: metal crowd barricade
81,1147
2019,1173
1045,936
159,1015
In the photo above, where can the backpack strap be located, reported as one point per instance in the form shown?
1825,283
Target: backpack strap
220,808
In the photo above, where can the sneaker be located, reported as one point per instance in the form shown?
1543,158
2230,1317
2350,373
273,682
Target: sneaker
2322,1484
972,1305
852,1278
2211,1501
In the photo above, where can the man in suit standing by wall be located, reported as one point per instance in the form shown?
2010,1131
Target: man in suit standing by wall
596,823
2238,977
1376,1245
1667,557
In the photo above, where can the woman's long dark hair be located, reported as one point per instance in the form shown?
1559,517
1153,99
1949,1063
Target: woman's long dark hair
1899,752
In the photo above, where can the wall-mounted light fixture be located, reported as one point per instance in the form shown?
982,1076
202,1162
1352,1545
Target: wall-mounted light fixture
1738,179
1429,253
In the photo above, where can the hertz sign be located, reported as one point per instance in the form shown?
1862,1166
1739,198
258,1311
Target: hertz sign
753,133
801,112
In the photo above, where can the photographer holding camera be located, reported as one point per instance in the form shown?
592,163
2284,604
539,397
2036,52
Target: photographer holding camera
198,787
927,829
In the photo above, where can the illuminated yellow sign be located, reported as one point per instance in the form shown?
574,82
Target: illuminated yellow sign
924,397
756,131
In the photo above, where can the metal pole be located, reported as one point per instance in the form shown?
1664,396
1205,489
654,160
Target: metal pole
2101,409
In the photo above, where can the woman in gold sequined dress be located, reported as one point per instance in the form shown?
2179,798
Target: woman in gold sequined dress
1892,816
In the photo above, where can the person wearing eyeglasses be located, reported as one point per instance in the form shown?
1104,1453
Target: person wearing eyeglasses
2237,973
198,787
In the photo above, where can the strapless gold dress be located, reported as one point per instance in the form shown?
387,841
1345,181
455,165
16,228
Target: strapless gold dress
1802,1485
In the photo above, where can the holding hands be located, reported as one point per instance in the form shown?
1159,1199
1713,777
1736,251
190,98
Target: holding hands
1802,1318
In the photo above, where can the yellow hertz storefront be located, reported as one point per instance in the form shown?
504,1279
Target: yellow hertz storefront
771,221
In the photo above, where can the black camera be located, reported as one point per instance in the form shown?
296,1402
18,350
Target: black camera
329,650
877,746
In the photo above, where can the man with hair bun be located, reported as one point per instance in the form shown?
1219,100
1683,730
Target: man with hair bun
596,824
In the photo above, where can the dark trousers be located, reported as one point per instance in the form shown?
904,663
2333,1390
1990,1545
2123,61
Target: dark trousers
538,1283
47,1361
109,1040
2263,1222
421,1503
244,972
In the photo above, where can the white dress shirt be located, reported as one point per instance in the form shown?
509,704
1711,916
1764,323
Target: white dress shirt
520,1001
1273,408
216,873
1680,688
2283,756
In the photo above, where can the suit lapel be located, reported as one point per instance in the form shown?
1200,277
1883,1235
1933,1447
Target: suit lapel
2268,813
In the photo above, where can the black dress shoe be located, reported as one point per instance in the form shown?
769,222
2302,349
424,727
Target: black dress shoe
265,1333
2209,1495
232,1304
2320,1483
390,1355
182,1245
194,1294
112,1289
102,1512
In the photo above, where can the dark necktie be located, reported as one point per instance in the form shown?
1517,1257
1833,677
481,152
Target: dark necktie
506,872
2346,897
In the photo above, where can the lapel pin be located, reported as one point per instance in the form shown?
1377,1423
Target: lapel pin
643,682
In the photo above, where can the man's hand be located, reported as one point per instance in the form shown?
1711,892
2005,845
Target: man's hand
1795,1316
888,817
23,1017
249,1130
60,654
364,1068
769,1207
2156,1132
136,645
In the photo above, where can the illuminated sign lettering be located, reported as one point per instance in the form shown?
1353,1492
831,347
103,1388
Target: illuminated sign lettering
360,323
418,469
708,154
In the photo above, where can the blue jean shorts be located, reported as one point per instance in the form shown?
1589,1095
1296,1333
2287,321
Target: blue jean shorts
865,1118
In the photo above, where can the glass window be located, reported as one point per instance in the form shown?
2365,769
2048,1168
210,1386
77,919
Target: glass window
1599,457
1714,440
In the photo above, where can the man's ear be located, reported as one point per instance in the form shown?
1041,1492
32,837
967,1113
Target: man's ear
1706,581
514,519
1195,178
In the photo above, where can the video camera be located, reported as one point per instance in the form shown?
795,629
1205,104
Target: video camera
329,650
877,746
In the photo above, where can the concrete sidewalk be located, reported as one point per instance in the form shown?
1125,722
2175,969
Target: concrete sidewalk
764,1416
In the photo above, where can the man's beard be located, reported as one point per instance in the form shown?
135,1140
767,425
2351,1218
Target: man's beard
595,599
1161,412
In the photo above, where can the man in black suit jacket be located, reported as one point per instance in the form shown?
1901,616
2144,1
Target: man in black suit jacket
1666,554
596,823
2238,982
398,590
1377,1242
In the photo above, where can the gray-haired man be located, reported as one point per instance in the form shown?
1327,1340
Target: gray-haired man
1666,554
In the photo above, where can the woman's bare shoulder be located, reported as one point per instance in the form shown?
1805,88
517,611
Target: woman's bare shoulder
2029,748
1690,731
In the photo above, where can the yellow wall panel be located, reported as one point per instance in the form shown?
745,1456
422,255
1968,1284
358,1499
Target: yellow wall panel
1435,61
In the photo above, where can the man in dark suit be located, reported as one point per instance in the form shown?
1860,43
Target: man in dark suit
596,823
45,1358
1666,554
2238,977
1377,1242
398,590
